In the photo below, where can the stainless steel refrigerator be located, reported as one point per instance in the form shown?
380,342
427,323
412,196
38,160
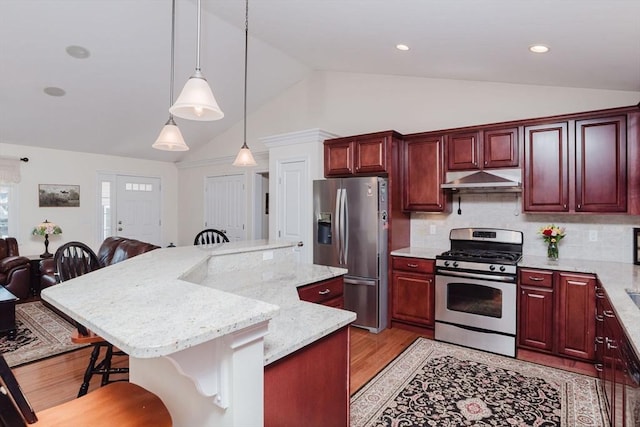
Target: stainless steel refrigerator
350,231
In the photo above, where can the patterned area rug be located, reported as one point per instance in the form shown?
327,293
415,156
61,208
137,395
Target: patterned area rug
41,334
437,384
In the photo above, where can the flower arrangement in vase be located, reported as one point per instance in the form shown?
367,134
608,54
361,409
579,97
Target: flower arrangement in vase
552,234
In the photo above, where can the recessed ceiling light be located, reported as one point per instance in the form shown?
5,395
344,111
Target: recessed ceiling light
402,47
539,48
78,51
54,91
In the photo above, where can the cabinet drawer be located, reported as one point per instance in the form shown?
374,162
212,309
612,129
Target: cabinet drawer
540,278
417,265
323,291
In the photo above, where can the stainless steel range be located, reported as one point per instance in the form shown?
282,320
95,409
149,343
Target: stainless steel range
476,289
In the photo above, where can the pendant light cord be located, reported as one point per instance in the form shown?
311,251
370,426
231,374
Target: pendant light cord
198,43
173,37
246,48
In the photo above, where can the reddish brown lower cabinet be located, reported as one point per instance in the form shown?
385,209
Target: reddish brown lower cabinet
535,327
413,291
576,324
328,292
555,313
311,386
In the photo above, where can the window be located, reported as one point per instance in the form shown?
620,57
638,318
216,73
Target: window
8,206
105,197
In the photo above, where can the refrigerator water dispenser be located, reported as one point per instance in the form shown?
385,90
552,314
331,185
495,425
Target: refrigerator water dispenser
324,228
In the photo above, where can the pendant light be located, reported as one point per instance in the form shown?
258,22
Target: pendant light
170,138
244,157
196,101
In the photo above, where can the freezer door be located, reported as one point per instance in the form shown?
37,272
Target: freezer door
363,231
325,222
361,296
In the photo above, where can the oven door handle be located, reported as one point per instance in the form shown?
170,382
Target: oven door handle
493,278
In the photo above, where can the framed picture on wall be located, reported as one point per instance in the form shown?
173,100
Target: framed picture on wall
636,245
57,195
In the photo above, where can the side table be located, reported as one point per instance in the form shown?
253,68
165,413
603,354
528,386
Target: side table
7,313
35,273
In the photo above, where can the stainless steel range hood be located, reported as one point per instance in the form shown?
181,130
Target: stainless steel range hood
496,181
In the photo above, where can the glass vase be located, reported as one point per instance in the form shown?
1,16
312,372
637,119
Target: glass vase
552,251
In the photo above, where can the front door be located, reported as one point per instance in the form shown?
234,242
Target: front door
138,208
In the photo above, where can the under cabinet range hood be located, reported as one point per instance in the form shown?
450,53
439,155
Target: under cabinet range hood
496,181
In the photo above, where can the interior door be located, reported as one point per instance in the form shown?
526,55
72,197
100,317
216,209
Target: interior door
225,207
138,208
294,206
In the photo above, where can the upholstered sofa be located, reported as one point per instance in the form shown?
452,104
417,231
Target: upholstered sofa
112,250
15,270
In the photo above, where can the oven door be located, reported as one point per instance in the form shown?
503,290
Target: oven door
476,304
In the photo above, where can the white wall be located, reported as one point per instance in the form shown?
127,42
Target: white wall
47,166
351,104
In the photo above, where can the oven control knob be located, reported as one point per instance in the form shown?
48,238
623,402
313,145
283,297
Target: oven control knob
492,267
455,263
502,268
446,263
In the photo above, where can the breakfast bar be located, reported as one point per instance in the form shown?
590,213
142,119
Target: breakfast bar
201,323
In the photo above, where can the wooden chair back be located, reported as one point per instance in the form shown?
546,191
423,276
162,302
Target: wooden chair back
13,415
74,259
209,237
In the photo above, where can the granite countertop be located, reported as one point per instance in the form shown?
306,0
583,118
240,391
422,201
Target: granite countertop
150,305
615,277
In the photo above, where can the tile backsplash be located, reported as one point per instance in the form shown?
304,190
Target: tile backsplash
588,236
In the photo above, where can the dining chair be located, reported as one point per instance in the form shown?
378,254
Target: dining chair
210,236
74,259
121,404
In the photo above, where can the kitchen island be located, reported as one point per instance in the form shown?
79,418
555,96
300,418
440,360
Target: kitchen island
202,323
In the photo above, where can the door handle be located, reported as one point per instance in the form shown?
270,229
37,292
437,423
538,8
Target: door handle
300,244
119,228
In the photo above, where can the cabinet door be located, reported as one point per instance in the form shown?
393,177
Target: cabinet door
338,158
601,165
371,155
463,151
535,328
500,148
546,168
423,174
413,298
576,320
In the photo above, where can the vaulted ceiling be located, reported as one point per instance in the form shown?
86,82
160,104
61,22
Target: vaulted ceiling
116,100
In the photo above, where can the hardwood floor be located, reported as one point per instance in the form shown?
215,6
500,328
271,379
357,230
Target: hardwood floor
56,380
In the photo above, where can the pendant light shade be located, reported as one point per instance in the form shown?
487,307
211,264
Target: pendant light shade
244,157
170,138
196,101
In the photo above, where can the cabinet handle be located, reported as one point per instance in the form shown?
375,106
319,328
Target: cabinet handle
599,318
599,340
608,313
536,279
412,265
564,206
579,206
325,292
600,295
611,344
598,366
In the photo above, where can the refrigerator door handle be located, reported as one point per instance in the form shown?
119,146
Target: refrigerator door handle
337,223
345,225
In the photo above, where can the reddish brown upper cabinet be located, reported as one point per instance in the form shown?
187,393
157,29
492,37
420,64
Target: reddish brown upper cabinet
601,165
576,166
422,174
546,168
363,155
483,149
576,308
